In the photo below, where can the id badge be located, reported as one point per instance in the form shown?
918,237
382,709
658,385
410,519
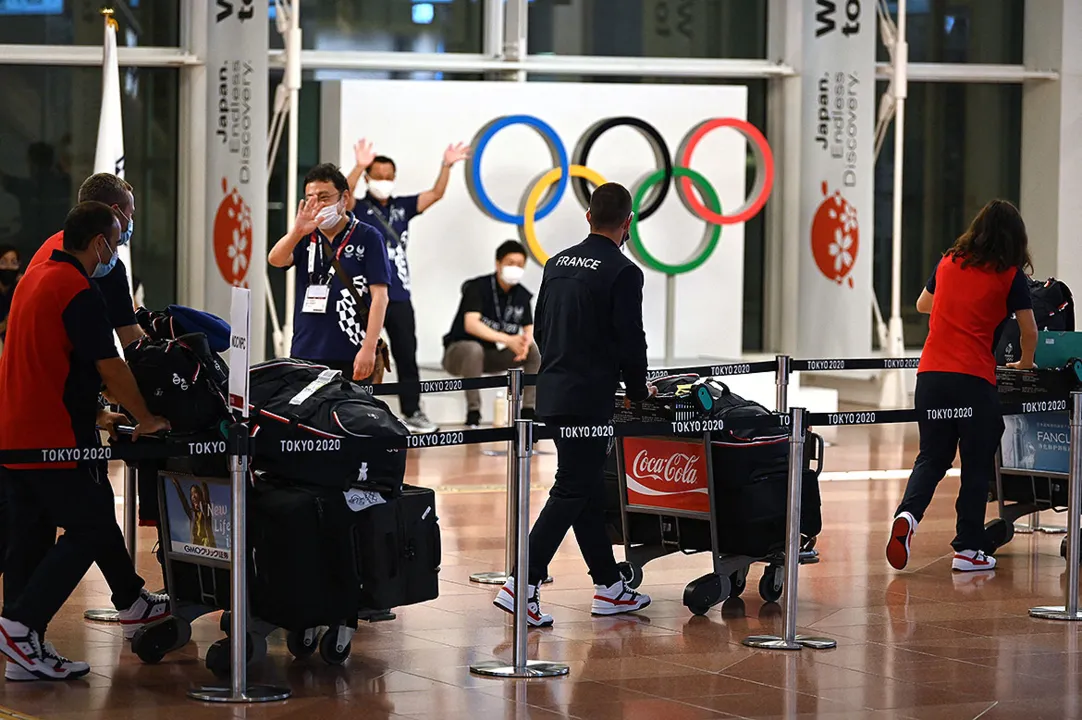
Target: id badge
315,299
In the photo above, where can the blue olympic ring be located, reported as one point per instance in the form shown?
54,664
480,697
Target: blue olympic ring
559,159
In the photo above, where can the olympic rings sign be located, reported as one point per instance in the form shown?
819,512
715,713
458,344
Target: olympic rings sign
647,195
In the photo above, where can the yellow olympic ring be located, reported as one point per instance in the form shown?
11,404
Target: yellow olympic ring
529,232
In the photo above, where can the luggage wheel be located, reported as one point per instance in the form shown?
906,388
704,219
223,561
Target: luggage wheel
334,646
770,586
218,654
302,644
154,640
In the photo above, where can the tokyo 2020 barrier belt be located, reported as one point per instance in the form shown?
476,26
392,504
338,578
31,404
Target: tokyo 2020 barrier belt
161,449
723,370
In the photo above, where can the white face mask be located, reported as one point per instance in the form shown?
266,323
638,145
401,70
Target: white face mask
328,217
512,274
381,189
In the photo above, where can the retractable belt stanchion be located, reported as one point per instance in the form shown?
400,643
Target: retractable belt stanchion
239,690
789,640
1070,611
514,412
781,383
521,666
131,538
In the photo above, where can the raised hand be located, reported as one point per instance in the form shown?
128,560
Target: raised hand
306,216
364,153
454,153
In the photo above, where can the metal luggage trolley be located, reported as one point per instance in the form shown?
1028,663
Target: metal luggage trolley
1033,460
197,578
692,455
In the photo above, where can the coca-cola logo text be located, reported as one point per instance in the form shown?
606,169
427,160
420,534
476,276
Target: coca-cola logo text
678,468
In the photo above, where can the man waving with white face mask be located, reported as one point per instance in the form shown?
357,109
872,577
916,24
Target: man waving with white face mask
335,324
392,214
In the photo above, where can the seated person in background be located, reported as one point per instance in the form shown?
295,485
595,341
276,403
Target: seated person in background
493,328
9,275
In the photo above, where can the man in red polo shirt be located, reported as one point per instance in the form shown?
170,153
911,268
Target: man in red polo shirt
59,351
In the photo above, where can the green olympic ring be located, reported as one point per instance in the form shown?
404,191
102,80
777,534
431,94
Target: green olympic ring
710,237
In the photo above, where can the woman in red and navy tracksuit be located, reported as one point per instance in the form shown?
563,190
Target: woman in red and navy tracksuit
977,285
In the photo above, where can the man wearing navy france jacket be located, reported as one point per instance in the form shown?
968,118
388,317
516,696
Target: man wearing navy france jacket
327,326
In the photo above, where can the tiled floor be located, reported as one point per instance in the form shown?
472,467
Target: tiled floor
921,644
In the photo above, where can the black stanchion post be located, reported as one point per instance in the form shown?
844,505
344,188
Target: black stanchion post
131,539
521,666
239,690
789,640
1069,611
781,383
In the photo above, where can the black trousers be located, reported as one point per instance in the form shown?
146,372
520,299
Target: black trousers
401,327
81,502
974,434
576,502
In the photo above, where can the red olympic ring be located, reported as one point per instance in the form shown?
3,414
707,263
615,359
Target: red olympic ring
764,178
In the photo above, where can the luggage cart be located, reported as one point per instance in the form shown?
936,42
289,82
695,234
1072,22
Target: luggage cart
697,504
197,580
1032,463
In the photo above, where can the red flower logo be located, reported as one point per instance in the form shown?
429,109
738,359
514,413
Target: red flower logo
233,236
835,236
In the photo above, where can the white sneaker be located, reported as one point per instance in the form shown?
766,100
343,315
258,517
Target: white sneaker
148,608
505,600
972,561
901,534
418,422
75,668
617,599
23,648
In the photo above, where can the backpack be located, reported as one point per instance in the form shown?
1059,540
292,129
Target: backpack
298,401
182,380
1053,308
178,320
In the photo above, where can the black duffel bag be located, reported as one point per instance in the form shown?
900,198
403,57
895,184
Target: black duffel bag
1053,309
181,380
298,404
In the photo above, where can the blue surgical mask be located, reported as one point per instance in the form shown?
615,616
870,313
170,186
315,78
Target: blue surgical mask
104,268
125,235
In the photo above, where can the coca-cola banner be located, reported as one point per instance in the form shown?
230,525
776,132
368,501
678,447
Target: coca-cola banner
236,169
837,187
667,474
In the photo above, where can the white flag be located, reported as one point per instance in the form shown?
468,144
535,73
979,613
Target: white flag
109,157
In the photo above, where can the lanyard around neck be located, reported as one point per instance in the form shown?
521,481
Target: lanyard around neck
324,268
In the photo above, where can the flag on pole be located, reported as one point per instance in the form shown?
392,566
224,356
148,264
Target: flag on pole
109,157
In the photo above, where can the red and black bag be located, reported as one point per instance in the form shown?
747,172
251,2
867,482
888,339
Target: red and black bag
295,400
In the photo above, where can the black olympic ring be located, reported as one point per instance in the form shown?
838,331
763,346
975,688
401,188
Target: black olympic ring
657,144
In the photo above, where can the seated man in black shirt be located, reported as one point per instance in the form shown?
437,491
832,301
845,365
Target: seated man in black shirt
493,328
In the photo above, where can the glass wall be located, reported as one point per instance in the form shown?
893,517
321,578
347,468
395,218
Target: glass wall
963,146
78,22
963,31
435,26
48,136
649,28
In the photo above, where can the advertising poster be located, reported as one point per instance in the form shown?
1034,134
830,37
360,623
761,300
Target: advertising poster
199,517
1038,442
837,183
666,474
237,108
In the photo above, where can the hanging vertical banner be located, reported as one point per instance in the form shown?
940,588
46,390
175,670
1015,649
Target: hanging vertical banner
837,184
236,169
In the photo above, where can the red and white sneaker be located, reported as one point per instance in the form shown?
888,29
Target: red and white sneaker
505,600
146,609
49,655
972,561
901,534
617,599
24,650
